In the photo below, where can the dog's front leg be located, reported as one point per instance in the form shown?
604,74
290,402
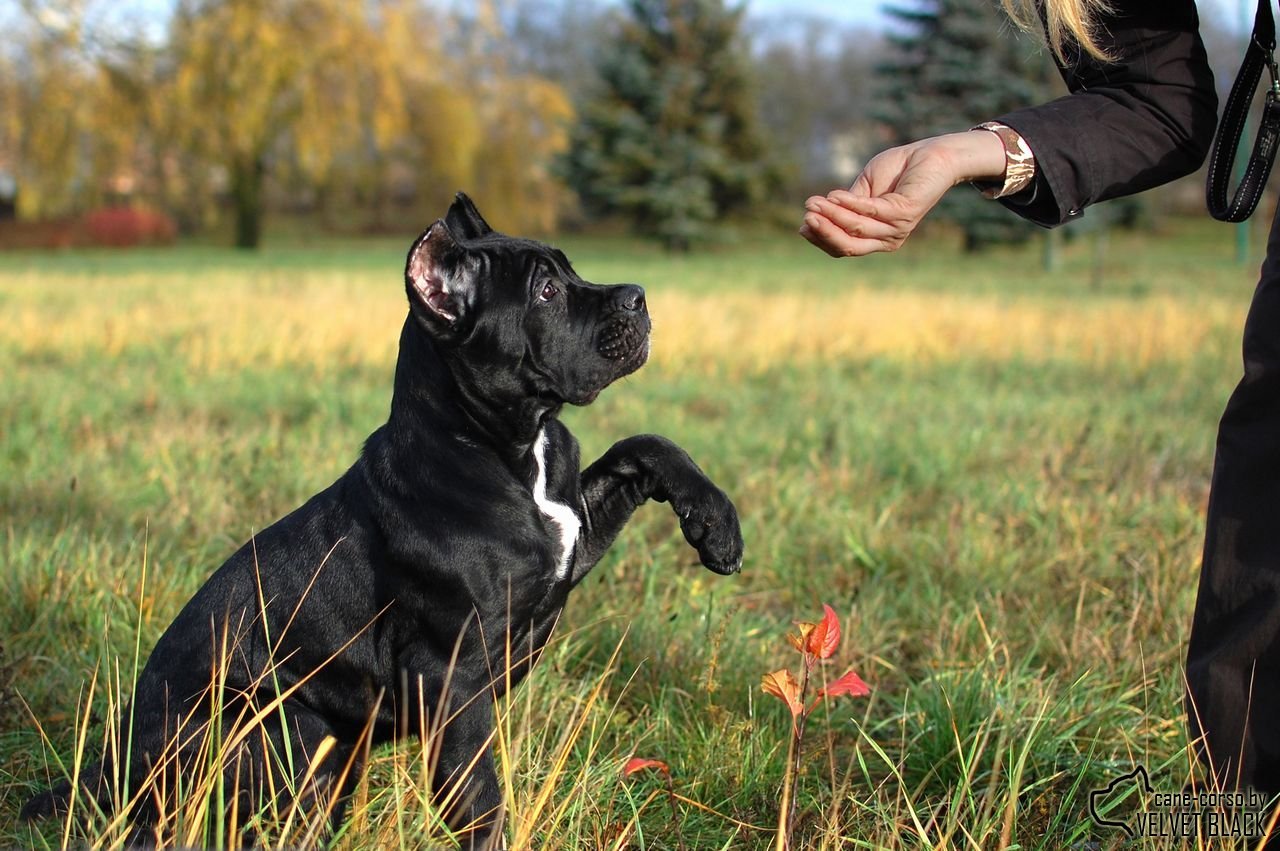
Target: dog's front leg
466,781
651,467
456,714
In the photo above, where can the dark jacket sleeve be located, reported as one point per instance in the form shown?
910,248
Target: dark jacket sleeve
1126,126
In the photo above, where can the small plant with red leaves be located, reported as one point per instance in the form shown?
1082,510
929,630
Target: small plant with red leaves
816,642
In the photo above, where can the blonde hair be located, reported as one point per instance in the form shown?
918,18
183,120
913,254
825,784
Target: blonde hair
1067,22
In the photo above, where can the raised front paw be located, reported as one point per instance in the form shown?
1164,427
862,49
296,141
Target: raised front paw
710,524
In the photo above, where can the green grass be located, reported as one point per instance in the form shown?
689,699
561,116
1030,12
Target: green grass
999,492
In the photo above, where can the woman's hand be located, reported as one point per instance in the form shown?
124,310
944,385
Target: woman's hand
896,190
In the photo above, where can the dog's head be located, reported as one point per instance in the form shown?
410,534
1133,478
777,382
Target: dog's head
517,317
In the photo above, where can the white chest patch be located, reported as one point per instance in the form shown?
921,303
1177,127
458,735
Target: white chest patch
557,512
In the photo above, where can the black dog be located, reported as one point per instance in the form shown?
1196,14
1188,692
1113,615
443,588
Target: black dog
427,578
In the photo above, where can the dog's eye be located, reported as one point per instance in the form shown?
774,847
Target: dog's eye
549,291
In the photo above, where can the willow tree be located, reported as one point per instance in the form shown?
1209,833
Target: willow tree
522,121
255,80
48,117
950,65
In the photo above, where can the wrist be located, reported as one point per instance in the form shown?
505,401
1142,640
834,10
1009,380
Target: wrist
974,155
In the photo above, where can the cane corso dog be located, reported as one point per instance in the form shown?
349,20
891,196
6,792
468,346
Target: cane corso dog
413,591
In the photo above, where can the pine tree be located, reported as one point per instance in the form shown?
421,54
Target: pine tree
954,64
670,140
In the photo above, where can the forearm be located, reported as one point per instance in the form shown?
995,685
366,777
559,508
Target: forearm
646,467
897,188
612,488
1133,124
973,155
1127,127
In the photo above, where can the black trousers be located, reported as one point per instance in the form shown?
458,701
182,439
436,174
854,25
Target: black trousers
1233,660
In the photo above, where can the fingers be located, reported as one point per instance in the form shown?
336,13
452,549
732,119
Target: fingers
836,242
895,209
862,218
887,201
852,227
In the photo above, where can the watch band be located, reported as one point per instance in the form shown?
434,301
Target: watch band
1019,163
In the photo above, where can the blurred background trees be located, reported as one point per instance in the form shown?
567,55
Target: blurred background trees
52,130
226,109
671,118
670,139
948,61
266,84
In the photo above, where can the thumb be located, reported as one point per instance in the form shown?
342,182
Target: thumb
892,207
861,185
916,194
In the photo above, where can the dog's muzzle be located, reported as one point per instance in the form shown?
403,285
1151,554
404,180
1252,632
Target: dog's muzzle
624,335
623,340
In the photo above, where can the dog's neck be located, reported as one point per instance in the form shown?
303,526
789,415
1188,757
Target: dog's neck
427,389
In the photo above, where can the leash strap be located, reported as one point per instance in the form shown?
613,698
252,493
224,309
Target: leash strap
1259,55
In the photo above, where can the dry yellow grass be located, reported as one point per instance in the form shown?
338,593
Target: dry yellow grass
761,331
289,318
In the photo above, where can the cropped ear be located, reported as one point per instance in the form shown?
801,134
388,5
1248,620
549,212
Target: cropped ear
439,279
465,220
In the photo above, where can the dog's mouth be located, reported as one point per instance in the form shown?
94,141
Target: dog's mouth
624,345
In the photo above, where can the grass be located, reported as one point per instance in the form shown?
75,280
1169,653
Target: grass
994,474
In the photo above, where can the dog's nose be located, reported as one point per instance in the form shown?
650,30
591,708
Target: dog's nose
629,297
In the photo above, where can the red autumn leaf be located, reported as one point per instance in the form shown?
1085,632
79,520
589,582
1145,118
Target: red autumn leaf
824,638
783,685
850,684
640,764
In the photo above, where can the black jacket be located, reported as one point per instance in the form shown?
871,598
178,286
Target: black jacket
1126,126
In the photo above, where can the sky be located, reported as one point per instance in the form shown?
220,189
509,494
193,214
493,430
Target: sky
851,11
1230,12
1235,14
845,10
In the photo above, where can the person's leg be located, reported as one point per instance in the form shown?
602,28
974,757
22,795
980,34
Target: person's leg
1233,660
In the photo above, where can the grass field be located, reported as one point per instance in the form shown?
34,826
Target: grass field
995,476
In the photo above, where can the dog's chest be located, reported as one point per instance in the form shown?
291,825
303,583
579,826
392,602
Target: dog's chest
562,516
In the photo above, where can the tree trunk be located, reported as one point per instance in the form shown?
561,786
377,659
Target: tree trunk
1100,244
1052,256
247,175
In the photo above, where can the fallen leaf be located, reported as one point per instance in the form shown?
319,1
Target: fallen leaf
640,764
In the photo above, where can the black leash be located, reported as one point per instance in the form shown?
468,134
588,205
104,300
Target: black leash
1259,55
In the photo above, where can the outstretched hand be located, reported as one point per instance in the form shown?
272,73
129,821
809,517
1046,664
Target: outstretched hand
896,190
